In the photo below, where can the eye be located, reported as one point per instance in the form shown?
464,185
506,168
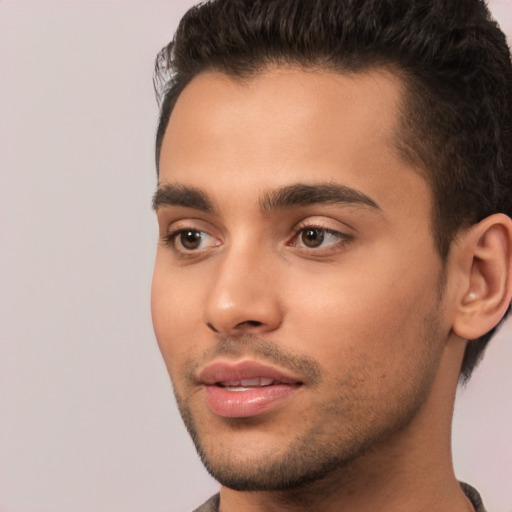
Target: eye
314,237
189,240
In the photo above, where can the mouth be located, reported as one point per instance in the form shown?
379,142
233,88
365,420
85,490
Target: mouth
254,383
246,388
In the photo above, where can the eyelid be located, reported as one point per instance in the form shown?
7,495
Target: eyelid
342,236
173,225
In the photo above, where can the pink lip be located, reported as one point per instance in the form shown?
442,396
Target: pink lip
222,371
222,379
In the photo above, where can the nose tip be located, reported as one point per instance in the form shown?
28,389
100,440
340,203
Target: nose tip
240,318
242,300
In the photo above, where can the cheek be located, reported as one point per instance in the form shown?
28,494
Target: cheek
172,313
369,314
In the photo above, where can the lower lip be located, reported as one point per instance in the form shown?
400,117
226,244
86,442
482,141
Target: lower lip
244,404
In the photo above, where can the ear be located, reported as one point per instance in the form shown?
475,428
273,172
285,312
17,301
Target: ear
484,255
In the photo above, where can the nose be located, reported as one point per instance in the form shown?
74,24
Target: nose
243,296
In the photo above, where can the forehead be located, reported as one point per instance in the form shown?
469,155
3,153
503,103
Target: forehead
288,125
280,106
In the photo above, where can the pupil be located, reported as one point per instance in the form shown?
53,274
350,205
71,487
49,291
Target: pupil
313,237
191,239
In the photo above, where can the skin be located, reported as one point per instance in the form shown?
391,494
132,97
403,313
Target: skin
371,308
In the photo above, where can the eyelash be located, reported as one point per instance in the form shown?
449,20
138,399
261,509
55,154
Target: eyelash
343,238
169,240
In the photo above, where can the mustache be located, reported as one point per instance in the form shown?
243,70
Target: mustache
248,345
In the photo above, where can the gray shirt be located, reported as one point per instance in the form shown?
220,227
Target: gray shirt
212,505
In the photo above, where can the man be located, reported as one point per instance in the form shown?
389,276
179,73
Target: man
334,208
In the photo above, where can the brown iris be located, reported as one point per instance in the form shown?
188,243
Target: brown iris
313,237
190,239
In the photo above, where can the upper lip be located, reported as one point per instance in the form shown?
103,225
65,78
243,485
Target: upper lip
233,372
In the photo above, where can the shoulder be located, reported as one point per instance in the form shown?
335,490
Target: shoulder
473,496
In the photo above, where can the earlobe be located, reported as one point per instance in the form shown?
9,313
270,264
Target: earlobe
486,290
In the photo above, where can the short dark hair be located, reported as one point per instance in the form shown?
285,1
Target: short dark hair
451,56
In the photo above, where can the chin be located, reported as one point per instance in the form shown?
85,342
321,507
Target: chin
303,462
281,473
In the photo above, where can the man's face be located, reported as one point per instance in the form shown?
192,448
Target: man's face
297,290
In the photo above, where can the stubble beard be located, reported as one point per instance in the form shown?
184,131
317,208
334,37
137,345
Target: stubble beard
327,450
305,462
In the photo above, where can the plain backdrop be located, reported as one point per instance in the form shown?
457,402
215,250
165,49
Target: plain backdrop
87,418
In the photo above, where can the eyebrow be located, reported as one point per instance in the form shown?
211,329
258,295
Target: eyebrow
298,194
323,193
172,194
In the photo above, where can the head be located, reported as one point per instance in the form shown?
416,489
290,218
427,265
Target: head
451,56
311,155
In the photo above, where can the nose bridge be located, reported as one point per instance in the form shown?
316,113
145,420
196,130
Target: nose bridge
242,294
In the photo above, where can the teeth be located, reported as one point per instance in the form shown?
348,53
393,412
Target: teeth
250,382
245,384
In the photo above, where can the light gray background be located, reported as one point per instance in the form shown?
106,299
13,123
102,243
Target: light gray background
87,418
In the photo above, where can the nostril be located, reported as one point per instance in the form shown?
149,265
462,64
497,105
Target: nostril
210,326
249,323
